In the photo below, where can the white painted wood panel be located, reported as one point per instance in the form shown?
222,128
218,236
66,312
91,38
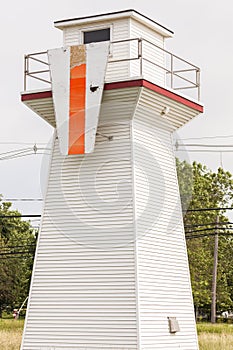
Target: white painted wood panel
44,107
72,36
163,275
59,65
83,289
94,286
123,29
150,71
119,31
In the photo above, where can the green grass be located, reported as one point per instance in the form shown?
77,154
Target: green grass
218,328
11,334
211,337
215,336
11,325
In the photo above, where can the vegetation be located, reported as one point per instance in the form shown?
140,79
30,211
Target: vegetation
217,337
17,246
202,188
10,334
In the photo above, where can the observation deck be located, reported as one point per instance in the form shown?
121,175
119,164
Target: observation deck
132,62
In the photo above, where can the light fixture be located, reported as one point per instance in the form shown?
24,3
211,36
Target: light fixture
165,110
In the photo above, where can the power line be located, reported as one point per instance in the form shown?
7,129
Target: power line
207,209
17,246
21,240
209,229
202,145
204,150
23,199
21,216
14,257
209,224
34,149
209,234
16,253
207,137
20,152
24,155
21,143
217,147
16,155
15,151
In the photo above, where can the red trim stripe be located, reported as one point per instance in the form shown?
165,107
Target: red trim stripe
36,95
173,96
123,84
128,84
158,89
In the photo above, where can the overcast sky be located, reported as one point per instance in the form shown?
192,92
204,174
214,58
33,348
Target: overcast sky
203,35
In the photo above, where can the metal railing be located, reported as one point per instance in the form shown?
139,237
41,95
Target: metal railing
173,71
152,59
40,58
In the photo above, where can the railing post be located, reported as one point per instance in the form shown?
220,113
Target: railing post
172,68
198,84
173,71
140,54
25,72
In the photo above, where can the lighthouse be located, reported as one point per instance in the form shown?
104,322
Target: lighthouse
111,268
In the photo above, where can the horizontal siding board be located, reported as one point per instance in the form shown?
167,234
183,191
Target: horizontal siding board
153,103
120,31
150,72
84,274
163,276
84,271
44,108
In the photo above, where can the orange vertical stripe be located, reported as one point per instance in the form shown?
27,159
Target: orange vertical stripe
77,109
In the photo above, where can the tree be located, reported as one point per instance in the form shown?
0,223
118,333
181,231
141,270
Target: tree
202,188
17,247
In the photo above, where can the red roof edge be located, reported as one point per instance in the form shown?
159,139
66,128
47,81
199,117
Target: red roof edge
127,84
36,95
160,90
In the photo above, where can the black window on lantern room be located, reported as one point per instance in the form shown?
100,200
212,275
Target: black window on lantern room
95,36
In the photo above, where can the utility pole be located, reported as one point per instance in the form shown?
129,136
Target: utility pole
215,269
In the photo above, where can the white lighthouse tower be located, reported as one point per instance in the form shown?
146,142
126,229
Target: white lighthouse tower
111,268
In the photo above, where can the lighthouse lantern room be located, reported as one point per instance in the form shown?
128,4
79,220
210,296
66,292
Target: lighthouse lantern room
111,268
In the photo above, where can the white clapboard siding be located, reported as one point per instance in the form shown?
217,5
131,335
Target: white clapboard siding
83,290
162,267
44,107
150,71
123,29
72,36
119,70
179,114
111,263
119,31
